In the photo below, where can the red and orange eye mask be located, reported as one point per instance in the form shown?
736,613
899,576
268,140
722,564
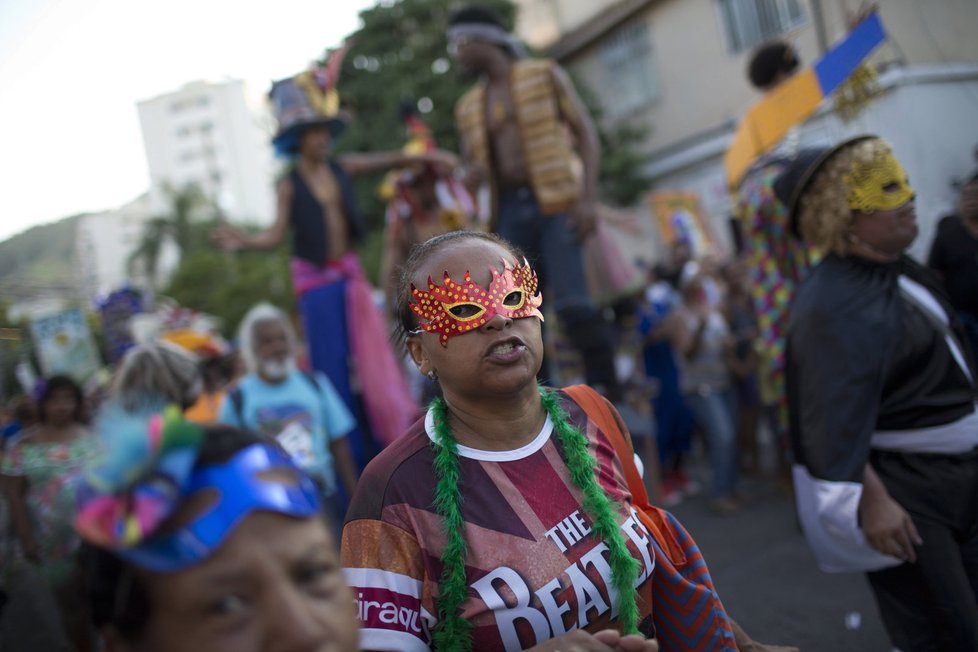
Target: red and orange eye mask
457,308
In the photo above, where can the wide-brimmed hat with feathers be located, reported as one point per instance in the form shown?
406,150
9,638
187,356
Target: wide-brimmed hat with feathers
309,99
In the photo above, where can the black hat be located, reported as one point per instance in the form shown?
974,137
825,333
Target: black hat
309,99
296,111
792,182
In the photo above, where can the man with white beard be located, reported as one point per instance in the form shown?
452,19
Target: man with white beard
302,411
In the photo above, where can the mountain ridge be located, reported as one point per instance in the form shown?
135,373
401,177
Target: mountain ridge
41,262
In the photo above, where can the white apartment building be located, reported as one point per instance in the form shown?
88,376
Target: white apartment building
206,133
104,243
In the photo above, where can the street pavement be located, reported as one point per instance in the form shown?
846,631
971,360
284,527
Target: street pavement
768,581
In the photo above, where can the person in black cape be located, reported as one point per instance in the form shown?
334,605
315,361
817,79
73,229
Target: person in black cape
882,400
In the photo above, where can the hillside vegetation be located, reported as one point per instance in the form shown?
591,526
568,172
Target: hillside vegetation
40,261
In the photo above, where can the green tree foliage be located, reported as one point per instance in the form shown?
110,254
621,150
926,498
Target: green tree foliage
621,180
227,285
206,279
48,241
187,205
40,261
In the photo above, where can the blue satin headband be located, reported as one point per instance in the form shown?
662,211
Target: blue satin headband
239,491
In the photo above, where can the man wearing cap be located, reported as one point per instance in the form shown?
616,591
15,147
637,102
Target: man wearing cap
316,200
881,398
525,130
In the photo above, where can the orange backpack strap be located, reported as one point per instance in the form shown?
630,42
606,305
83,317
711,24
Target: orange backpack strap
597,409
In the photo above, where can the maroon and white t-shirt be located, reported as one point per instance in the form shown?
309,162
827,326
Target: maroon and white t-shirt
534,568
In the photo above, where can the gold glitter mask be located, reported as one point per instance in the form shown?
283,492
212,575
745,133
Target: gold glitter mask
878,185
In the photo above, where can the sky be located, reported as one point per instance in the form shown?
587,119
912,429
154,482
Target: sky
72,71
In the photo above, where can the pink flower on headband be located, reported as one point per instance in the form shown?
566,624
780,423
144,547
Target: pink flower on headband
137,483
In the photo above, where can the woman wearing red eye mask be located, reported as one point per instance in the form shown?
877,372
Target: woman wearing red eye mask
502,520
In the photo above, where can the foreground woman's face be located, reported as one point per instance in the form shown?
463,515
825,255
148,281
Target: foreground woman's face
500,355
275,584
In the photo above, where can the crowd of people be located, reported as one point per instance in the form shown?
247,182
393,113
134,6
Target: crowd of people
700,330
293,493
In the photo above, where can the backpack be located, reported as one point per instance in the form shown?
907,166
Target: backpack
687,611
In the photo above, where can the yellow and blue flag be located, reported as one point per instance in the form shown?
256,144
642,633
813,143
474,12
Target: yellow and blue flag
793,101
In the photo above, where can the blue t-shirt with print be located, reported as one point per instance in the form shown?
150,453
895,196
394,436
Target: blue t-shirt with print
302,417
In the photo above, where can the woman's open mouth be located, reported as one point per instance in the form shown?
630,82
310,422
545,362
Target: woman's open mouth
507,351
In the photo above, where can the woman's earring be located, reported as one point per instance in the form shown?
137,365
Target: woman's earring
432,375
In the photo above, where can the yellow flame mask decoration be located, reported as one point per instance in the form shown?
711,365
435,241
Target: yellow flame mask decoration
878,185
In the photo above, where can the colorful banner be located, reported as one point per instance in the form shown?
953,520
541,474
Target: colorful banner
795,100
65,345
680,217
115,313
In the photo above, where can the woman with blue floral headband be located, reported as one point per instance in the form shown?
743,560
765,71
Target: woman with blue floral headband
503,519
206,538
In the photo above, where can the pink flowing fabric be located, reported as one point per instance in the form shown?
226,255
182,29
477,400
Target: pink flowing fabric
390,408
610,276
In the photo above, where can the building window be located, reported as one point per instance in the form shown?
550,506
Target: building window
185,104
750,22
626,58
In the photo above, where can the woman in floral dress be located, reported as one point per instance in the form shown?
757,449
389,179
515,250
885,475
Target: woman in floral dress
39,468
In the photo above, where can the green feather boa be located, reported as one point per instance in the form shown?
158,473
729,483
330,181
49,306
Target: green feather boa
454,632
